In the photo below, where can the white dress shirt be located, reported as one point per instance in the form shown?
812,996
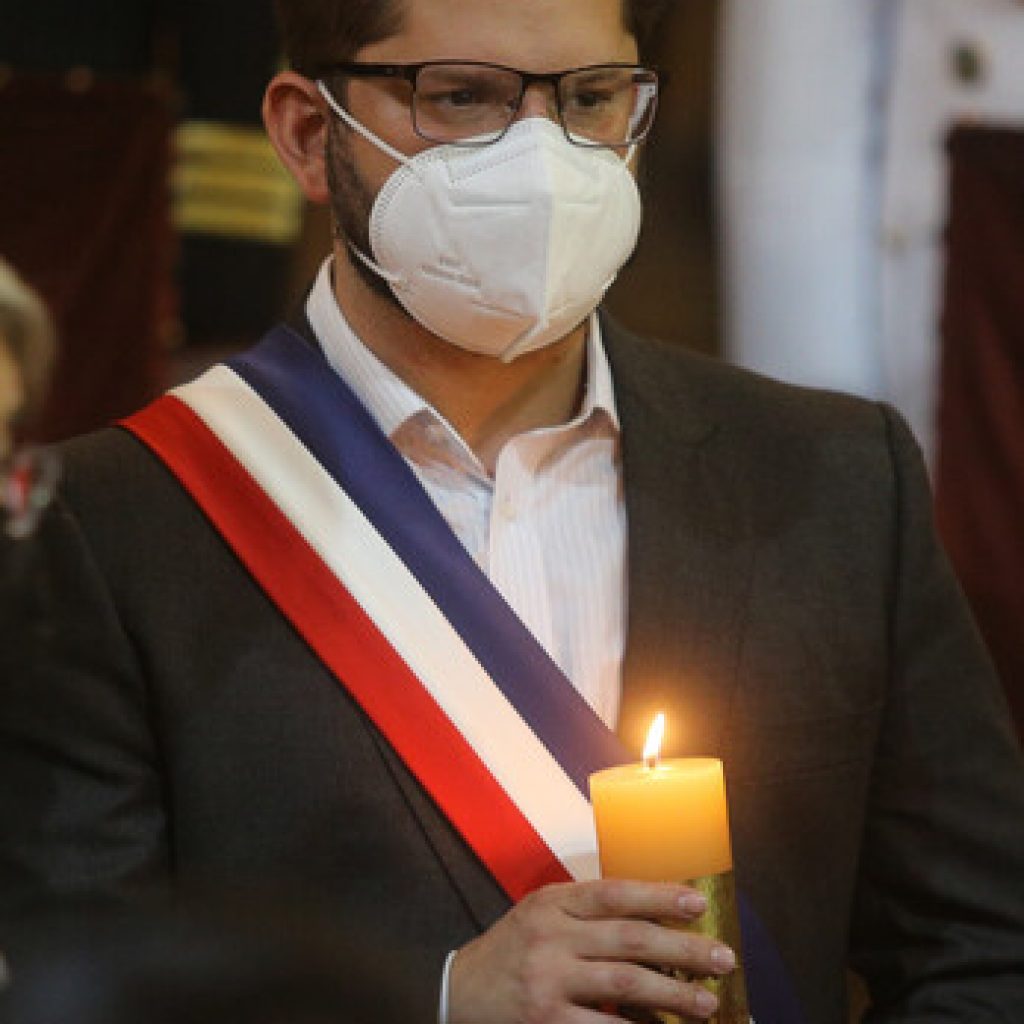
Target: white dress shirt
549,529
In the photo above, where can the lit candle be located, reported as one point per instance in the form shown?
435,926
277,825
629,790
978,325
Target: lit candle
662,821
667,821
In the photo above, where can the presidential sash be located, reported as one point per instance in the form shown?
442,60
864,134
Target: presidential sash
328,518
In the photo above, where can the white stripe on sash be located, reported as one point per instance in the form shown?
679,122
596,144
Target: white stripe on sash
393,598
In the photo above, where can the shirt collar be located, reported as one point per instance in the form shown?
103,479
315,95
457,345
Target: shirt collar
391,401
388,399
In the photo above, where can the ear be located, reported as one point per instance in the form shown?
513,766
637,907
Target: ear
296,118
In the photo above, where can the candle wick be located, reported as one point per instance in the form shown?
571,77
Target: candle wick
651,761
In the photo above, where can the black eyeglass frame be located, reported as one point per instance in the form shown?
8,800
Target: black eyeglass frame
410,72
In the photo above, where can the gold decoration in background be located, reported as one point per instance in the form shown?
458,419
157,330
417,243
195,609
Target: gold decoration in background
228,181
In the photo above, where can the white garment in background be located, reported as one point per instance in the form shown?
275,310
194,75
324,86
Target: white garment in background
928,98
833,179
798,211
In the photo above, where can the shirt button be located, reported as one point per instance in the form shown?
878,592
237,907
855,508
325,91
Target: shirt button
507,507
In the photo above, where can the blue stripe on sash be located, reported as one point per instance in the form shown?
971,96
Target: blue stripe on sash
295,380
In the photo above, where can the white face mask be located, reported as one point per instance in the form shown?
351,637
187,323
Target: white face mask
504,248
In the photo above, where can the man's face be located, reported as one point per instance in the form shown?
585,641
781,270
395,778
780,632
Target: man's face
533,35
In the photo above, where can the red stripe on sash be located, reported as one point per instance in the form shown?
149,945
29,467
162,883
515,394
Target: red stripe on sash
350,645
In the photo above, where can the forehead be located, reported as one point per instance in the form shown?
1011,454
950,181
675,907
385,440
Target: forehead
537,35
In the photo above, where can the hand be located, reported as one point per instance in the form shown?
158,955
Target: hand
566,951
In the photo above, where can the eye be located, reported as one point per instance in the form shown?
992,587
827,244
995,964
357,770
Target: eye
590,93
461,97
462,91
589,99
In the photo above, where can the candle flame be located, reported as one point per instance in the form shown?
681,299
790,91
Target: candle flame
652,748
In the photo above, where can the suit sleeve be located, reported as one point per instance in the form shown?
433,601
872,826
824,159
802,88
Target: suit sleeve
938,930
81,806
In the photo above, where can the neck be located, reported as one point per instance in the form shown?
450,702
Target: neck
485,400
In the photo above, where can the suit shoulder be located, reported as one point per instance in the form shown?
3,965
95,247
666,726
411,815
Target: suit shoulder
116,488
109,462
723,395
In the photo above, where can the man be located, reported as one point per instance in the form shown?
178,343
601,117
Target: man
277,662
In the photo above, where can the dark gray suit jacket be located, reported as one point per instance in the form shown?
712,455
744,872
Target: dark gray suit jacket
788,603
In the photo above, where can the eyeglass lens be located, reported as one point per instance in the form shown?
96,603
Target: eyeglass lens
601,106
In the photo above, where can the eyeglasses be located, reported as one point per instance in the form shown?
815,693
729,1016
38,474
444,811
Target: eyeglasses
472,103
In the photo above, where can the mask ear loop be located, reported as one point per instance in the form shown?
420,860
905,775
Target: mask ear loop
389,276
356,126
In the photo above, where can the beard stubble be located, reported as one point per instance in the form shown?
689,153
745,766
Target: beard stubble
352,206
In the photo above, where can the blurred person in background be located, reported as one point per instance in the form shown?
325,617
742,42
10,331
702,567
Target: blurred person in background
28,474
27,352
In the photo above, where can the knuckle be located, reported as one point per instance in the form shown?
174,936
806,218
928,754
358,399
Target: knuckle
535,946
535,922
623,981
694,950
541,1010
611,895
631,938
532,901
552,892
541,998
684,944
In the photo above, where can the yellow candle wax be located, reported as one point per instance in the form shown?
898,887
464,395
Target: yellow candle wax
664,821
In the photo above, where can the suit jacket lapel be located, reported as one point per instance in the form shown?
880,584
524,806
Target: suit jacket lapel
480,894
690,553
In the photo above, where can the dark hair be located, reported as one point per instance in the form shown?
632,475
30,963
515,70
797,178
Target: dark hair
643,18
317,33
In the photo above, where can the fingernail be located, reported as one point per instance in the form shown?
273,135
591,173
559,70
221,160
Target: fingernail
723,959
693,903
706,1003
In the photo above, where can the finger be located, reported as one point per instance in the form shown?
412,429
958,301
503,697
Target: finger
649,943
585,1015
626,984
617,897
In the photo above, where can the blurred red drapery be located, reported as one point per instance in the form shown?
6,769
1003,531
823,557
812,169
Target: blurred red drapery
980,482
